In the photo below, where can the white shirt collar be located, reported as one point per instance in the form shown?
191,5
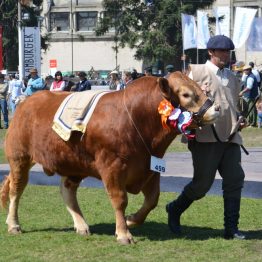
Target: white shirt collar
213,67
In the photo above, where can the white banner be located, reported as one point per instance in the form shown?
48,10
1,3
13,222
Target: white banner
218,29
243,20
223,26
203,34
189,31
254,42
32,49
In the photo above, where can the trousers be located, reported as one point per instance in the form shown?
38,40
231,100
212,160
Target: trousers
208,158
4,109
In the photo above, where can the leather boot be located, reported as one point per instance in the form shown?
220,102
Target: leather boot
231,217
174,210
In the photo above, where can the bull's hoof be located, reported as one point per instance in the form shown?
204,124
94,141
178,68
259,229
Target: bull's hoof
125,241
15,230
83,232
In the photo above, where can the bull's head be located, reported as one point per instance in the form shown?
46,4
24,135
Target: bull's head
181,91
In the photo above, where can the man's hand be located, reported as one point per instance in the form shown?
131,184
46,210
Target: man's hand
243,123
205,88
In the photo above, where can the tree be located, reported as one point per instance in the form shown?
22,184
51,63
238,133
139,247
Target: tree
9,21
152,27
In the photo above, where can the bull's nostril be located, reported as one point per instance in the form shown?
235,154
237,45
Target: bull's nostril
217,108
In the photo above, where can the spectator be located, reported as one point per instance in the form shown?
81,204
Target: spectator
3,100
249,93
148,71
255,73
58,84
35,83
15,90
83,84
115,83
134,74
127,78
259,112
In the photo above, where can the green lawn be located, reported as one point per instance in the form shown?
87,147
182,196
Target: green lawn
49,236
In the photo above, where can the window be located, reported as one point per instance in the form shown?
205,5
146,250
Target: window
59,21
86,21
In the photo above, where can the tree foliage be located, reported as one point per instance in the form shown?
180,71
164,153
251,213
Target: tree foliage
153,27
9,21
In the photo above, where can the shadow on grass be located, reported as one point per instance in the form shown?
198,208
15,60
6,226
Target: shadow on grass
157,232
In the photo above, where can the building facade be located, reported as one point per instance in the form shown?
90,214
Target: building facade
73,45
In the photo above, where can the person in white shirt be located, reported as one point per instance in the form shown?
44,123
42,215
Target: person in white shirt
14,91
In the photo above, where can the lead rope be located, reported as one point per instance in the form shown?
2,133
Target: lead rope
135,124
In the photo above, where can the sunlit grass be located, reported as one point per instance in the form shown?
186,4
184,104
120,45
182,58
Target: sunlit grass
49,235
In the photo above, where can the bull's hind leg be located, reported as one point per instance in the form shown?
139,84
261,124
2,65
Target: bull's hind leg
69,188
15,184
151,191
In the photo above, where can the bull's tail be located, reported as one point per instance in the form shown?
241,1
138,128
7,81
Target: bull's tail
4,191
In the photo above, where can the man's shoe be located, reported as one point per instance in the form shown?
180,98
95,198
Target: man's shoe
174,210
237,235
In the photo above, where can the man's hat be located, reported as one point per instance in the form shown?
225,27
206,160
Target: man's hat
238,66
220,42
247,67
114,72
33,70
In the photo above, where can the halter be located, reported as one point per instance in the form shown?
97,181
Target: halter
198,116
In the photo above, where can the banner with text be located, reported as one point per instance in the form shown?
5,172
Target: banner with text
243,20
32,49
203,34
189,31
254,42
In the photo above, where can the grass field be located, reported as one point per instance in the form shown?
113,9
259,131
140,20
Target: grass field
252,138
49,236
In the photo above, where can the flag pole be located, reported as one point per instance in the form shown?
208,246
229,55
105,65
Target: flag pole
197,56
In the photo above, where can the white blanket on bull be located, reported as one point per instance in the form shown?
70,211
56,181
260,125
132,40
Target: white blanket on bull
75,111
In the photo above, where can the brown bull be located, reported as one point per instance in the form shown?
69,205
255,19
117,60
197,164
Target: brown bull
124,130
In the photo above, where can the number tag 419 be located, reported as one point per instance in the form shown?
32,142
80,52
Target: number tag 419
158,164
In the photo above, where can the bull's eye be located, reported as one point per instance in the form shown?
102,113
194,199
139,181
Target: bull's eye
186,95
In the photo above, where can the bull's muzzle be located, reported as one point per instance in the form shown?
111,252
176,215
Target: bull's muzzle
198,116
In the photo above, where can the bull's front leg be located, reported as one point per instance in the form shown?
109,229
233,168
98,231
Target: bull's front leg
68,189
151,191
119,202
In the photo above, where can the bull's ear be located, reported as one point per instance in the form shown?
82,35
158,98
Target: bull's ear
164,87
